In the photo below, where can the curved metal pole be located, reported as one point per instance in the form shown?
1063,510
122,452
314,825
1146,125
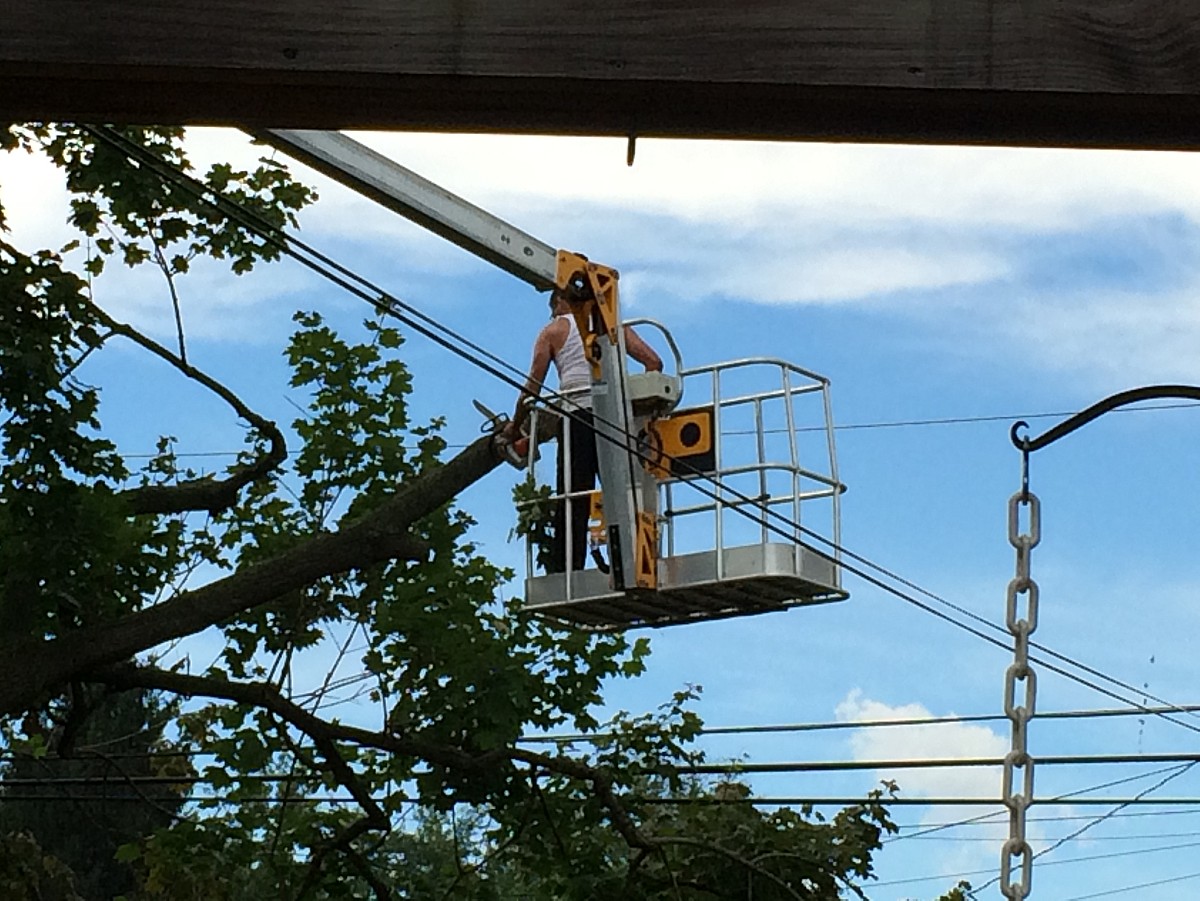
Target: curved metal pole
1096,410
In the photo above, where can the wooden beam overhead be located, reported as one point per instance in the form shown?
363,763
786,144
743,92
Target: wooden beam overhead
1118,73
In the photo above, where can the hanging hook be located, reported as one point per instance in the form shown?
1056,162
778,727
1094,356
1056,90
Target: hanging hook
1021,442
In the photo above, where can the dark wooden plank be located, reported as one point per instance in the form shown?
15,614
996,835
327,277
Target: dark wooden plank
1073,72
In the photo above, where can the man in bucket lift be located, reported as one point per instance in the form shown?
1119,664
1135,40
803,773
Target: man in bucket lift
559,342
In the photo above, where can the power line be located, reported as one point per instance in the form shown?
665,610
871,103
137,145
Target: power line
1134,888
846,427
1092,838
881,724
826,766
1100,819
960,420
847,800
1050,863
1061,819
742,768
1066,797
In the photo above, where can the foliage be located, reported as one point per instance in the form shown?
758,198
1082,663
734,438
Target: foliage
27,873
535,517
354,547
108,792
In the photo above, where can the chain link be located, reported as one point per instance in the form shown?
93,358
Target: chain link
1020,684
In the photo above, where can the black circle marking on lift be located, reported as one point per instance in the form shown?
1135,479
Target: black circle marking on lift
689,435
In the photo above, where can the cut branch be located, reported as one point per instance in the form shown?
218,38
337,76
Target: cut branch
207,493
326,734
30,667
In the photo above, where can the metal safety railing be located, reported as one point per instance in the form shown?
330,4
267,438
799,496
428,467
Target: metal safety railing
765,483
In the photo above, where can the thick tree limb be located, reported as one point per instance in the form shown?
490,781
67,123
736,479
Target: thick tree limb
326,734
208,494
268,697
29,668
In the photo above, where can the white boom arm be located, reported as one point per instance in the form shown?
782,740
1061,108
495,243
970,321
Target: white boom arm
403,191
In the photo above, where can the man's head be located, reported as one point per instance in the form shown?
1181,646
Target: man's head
558,302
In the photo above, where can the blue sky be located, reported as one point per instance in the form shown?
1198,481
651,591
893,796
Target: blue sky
926,283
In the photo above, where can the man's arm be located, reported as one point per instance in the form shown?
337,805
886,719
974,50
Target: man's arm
539,366
641,351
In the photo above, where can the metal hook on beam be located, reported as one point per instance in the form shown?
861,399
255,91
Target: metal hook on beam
1134,395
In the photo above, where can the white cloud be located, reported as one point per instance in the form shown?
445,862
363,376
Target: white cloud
769,223
734,182
950,740
1108,339
854,271
34,200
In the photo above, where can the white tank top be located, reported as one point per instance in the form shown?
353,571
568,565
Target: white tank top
574,373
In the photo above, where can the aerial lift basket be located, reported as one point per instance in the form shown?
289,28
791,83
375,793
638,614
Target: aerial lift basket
747,486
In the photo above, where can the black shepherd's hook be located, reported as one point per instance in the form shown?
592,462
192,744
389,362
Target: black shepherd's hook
1022,443
1028,445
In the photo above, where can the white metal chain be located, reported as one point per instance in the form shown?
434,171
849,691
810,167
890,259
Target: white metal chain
1017,789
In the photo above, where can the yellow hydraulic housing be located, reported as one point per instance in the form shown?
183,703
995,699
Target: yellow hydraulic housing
630,495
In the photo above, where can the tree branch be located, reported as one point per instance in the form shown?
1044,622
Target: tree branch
161,259
664,840
206,493
326,734
31,667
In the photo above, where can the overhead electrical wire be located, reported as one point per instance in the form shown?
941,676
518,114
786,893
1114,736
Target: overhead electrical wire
738,768
875,724
845,427
1070,797
1055,819
1119,806
832,766
1090,858
501,369
1135,888
1139,837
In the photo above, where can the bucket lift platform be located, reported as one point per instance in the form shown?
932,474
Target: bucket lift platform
758,578
732,542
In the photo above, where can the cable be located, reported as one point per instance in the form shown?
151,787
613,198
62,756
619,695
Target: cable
878,724
1068,796
838,766
847,800
821,766
1146,836
1062,819
1133,888
1050,863
958,420
1096,822
848,427
366,675
1086,826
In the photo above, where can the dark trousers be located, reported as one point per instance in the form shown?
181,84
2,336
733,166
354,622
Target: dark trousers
584,468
